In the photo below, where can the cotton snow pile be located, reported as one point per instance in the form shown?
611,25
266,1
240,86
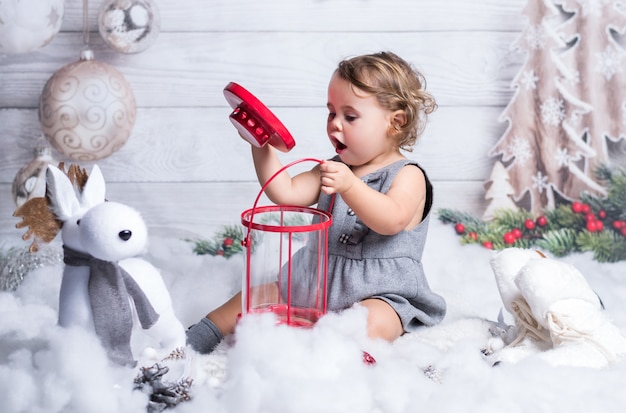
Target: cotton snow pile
269,368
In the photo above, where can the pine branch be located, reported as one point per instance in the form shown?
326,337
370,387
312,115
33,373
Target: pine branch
559,242
606,246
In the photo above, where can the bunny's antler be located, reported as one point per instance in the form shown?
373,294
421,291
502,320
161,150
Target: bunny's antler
39,218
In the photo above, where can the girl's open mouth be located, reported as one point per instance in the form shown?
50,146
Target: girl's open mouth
339,147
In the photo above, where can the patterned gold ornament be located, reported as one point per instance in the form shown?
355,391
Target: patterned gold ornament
129,26
87,109
27,25
30,180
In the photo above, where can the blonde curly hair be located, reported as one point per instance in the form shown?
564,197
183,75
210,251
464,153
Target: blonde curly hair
397,85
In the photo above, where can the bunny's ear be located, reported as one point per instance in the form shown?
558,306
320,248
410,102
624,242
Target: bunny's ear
61,193
94,191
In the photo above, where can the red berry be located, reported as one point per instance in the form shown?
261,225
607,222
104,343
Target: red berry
508,238
592,226
602,214
459,228
617,224
623,231
517,233
585,209
577,207
488,245
473,235
542,221
590,217
227,242
599,225
529,224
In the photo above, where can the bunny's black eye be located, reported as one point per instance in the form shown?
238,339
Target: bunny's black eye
125,234
78,222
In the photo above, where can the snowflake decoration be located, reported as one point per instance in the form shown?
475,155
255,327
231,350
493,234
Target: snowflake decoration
520,149
562,157
609,62
540,182
535,37
529,80
552,111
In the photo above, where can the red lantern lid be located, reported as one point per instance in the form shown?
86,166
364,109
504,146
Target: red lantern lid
254,121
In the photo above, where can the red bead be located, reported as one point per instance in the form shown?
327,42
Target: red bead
602,214
542,221
590,217
488,245
517,233
459,228
599,225
473,235
577,207
368,359
585,209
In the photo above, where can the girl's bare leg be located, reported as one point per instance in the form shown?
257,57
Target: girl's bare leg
382,320
225,316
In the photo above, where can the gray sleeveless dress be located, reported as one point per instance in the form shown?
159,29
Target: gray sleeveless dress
364,264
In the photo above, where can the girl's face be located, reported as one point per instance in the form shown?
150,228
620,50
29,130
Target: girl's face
357,125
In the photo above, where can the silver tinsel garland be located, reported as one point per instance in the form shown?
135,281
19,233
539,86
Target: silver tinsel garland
17,262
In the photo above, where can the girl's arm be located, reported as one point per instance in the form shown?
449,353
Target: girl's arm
301,190
387,214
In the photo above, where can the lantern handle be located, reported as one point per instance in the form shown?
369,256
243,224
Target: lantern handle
246,241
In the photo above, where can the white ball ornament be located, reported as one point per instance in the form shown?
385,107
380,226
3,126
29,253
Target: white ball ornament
87,109
27,25
129,26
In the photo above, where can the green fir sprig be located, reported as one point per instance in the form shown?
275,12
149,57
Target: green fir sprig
228,241
225,243
594,224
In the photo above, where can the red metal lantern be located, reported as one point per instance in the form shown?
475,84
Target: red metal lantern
286,260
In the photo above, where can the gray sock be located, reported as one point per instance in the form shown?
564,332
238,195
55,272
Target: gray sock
204,336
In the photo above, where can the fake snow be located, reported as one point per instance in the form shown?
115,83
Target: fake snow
269,368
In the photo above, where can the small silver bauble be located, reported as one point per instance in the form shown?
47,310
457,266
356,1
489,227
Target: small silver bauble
129,26
30,180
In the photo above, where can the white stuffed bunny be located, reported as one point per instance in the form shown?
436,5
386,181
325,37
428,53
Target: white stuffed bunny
105,287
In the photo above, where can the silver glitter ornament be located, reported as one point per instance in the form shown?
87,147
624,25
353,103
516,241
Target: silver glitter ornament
129,26
30,180
16,263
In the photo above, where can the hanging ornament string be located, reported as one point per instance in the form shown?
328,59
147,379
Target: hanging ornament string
86,23
87,53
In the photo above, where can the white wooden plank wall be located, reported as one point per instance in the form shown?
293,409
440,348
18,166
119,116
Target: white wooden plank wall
184,166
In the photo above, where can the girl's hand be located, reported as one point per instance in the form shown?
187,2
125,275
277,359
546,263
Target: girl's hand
336,177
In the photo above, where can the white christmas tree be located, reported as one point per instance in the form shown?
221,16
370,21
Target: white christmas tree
597,60
542,148
499,192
